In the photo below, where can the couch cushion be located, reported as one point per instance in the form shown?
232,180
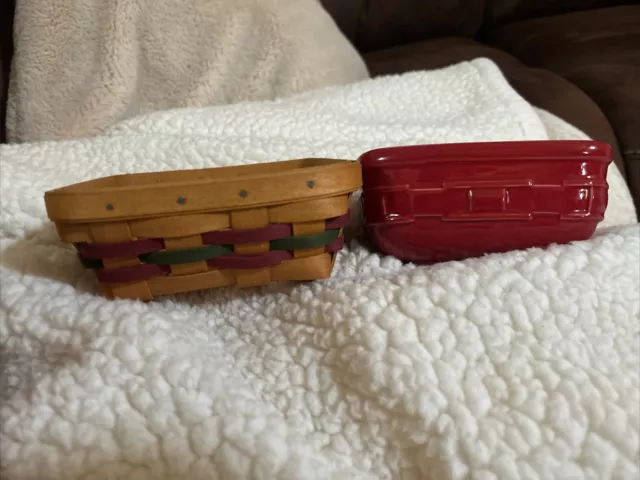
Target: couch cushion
375,24
542,88
346,14
503,11
599,51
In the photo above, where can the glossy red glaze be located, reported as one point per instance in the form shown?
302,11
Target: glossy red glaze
431,203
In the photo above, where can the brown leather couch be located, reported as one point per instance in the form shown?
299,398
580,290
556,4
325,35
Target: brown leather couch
579,59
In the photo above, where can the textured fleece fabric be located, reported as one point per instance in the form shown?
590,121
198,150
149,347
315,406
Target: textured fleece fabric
522,365
81,66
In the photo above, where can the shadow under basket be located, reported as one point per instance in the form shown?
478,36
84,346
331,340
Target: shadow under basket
153,234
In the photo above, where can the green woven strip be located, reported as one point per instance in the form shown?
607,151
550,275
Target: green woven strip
314,240
191,255
207,252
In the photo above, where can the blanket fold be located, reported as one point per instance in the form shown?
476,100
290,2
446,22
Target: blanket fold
514,366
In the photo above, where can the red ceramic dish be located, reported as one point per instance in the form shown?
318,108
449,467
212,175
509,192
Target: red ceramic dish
431,203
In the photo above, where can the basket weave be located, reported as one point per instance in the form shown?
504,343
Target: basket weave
153,234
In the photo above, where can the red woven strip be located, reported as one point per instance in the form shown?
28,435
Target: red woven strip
257,235
136,273
339,222
224,237
120,250
253,235
242,262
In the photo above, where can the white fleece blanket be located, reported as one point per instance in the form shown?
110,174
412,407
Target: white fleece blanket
515,366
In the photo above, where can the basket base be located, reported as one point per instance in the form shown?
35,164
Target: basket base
310,268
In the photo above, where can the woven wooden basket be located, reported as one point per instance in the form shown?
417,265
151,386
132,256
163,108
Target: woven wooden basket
153,234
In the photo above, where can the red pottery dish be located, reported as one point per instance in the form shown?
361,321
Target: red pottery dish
432,203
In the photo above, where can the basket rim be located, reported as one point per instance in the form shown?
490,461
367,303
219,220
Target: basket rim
263,170
264,184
